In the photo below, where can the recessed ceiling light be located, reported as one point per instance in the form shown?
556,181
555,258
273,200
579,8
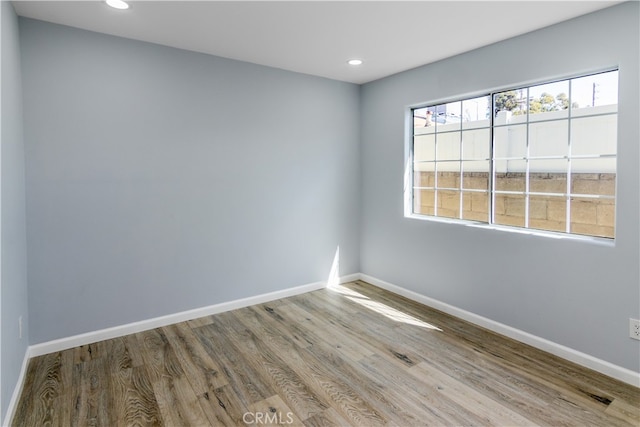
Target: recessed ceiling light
354,62
118,4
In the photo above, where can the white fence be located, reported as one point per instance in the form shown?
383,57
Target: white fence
592,132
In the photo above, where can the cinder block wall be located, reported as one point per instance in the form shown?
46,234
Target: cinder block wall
590,216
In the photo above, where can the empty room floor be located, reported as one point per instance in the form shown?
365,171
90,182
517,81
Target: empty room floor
351,355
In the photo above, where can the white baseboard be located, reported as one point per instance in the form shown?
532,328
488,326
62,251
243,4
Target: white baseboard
145,325
350,278
13,403
623,374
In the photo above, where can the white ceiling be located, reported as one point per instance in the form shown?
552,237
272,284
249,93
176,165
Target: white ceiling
317,37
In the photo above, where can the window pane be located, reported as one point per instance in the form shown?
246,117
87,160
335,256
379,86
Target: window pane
424,147
509,209
475,175
448,146
449,175
595,94
594,217
510,141
423,201
424,174
510,175
439,115
548,213
447,116
549,138
593,176
449,204
508,103
419,118
548,176
549,101
596,165
475,112
475,144
475,206
424,130
594,135
423,179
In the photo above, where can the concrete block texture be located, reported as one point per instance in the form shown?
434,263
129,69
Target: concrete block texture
589,215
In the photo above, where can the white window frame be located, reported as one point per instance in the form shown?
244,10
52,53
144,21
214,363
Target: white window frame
490,224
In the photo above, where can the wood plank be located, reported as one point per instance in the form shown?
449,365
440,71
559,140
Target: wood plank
272,412
293,334
134,351
178,403
247,383
64,401
490,411
132,394
626,412
388,403
221,407
381,337
328,418
42,387
159,357
76,397
201,321
293,389
95,408
200,369
322,376
419,398
85,353
345,340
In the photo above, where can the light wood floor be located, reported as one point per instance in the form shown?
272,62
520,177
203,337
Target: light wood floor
359,356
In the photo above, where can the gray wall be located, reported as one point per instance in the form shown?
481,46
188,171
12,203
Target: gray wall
13,248
161,180
573,293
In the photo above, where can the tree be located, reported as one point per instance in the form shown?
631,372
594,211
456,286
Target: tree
547,102
535,106
563,101
506,101
509,101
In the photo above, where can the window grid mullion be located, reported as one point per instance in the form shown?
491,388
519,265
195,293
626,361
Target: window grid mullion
527,167
435,170
412,159
568,200
460,167
492,167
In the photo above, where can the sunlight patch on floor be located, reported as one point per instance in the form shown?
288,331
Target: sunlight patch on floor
380,308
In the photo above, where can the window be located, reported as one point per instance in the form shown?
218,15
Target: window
539,157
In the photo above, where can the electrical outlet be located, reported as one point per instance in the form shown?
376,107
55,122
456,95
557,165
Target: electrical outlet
20,327
634,329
